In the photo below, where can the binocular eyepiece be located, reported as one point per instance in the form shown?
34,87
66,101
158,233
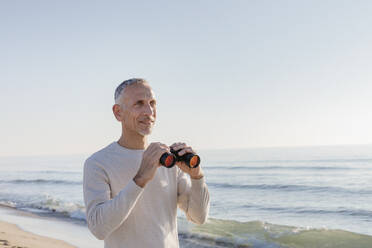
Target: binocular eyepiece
169,159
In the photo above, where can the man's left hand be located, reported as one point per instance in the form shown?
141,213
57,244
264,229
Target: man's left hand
182,148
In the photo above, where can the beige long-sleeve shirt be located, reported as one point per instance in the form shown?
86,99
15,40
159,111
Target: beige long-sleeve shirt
126,215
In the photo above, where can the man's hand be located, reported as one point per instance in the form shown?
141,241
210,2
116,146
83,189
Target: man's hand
182,148
150,163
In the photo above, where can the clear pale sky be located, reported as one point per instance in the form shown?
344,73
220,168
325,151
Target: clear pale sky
227,74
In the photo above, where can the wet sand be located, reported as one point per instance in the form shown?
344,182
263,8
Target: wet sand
12,236
39,227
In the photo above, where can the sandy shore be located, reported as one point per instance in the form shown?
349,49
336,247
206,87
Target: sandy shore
19,228
13,237
39,228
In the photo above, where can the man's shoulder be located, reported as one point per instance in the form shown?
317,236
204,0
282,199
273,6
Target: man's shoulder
100,156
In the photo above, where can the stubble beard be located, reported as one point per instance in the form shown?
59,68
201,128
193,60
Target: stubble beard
147,131
144,133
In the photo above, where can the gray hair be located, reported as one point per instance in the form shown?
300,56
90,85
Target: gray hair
120,89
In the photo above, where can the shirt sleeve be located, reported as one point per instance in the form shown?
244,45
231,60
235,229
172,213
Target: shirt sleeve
103,214
193,197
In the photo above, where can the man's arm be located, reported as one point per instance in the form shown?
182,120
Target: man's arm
193,197
192,192
104,215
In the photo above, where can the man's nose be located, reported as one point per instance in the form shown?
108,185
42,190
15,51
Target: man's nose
149,110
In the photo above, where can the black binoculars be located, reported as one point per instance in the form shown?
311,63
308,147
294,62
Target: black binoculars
169,159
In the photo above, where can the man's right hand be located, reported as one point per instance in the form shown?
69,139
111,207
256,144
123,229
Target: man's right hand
150,163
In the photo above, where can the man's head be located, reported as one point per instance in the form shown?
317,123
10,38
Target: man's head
135,106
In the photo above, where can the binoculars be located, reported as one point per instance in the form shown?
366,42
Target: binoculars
169,159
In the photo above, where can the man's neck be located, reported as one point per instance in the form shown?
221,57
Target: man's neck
136,142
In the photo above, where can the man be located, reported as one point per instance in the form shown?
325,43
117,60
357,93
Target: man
131,200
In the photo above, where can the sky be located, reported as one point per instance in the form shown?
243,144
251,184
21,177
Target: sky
226,74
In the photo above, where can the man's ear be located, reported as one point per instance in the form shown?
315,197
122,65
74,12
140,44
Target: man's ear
116,109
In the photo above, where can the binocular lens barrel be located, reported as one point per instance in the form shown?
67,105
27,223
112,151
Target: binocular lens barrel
168,160
194,161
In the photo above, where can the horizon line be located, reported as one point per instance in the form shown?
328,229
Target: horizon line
202,149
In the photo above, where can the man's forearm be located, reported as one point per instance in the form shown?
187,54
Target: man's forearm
105,217
198,208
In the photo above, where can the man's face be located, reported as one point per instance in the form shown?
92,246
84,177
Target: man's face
138,108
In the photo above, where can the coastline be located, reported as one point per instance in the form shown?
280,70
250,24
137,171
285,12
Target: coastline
20,228
23,229
12,236
48,232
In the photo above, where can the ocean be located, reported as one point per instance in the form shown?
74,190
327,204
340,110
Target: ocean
263,197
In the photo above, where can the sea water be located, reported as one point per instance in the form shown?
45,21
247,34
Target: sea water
264,197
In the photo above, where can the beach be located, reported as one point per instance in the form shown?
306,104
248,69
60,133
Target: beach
19,228
48,232
12,236
24,229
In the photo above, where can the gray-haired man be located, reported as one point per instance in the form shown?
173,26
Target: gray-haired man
131,200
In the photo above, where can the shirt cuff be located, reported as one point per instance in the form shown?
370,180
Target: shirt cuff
197,182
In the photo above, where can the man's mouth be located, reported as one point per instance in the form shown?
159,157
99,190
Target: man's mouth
147,122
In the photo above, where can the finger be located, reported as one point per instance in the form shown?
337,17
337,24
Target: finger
164,146
185,150
175,144
157,145
179,146
153,145
155,148
160,152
